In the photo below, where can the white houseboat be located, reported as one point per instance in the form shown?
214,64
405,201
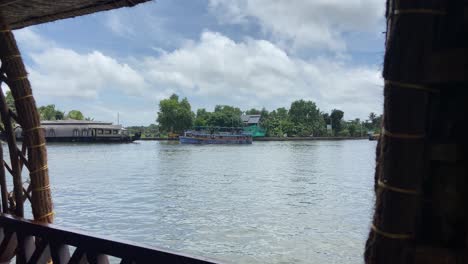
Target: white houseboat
82,131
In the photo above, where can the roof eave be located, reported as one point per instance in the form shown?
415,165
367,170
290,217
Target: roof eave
22,13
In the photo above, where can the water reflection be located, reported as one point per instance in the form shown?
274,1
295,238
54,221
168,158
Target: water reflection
275,202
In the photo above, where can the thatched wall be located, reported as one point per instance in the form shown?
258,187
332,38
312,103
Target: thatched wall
420,177
23,13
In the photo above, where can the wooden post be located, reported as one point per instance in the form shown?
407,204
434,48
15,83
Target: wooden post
28,118
14,158
3,187
402,157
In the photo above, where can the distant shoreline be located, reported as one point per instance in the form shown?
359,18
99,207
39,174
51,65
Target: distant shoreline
307,138
274,138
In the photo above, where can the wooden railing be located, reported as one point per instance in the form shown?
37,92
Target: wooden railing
41,243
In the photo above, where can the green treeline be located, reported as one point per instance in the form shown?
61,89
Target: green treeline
146,131
303,118
49,112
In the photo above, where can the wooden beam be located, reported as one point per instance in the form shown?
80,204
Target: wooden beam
14,156
4,3
39,252
3,185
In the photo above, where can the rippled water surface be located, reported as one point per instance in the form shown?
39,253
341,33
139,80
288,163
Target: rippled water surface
271,202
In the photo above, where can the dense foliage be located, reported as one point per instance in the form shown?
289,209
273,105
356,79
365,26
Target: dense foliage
307,119
277,123
150,131
225,116
174,115
10,101
75,114
336,118
48,112
303,118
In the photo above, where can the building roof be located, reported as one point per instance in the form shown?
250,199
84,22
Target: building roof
245,118
250,119
22,13
74,122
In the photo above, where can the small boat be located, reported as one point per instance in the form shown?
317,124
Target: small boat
82,131
222,135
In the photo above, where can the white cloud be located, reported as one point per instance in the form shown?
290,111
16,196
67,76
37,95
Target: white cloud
212,70
60,72
141,25
316,24
64,72
32,41
115,23
257,73
216,65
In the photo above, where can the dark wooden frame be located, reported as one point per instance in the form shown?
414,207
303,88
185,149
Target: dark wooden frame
39,243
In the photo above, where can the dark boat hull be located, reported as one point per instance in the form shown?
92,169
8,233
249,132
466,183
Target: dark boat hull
193,140
90,139
87,139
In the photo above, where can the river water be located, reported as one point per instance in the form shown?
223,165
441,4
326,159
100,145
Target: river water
270,202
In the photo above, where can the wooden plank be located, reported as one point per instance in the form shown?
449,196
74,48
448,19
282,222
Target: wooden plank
14,116
3,185
8,245
95,258
39,252
78,257
25,248
14,160
27,194
60,253
101,245
22,153
8,168
4,3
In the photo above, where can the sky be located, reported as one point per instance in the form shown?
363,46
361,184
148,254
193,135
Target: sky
245,53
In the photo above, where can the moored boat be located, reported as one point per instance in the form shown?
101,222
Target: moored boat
82,131
374,136
229,135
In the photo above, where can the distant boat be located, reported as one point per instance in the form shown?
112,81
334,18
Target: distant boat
218,135
374,136
82,131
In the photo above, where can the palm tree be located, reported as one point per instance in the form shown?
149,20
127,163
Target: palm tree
372,117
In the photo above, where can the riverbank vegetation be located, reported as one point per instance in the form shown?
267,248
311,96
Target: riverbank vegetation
302,119
150,131
48,112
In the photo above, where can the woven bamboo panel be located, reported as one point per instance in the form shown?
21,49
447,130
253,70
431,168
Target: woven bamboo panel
22,13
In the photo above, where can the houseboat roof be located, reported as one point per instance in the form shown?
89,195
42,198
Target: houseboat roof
216,128
74,122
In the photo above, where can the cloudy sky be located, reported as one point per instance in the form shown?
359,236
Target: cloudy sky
247,53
